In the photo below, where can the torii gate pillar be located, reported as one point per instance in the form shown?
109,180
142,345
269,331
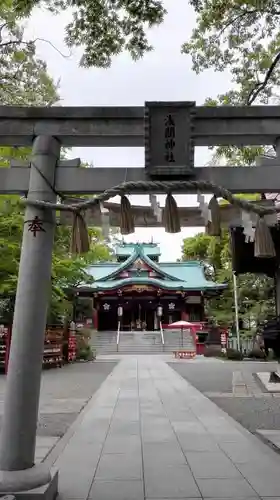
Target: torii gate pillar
18,437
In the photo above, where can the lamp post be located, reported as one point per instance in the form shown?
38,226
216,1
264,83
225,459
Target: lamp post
236,310
159,313
120,312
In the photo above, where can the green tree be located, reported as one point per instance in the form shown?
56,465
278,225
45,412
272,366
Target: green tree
67,271
256,292
240,36
103,28
23,76
24,81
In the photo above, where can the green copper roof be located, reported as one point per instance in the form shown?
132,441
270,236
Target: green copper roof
195,285
127,249
99,271
185,270
171,275
120,267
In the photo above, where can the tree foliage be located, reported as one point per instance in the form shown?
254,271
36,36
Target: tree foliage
256,292
24,80
240,36
67,272
23,76
104,28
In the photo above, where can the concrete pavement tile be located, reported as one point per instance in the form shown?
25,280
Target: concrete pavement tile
158,436
119,427
86,439
193,427
211,465
225,488
95,428
102,412
75,484
75,462
170,482
127,416
161,449
155,421
271,436
156,457
190,442
119,466
43,441
122,444
42,452
167,474
227,437
264,377
64,497
240,454
264,480
116,490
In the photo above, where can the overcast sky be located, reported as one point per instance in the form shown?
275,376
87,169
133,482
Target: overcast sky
163,75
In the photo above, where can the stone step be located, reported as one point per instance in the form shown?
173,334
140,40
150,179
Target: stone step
140,342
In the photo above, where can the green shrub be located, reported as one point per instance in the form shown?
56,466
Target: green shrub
256,353
84,349
234,354
271,356
86,353
212,351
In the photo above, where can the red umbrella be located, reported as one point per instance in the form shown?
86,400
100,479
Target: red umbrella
183,325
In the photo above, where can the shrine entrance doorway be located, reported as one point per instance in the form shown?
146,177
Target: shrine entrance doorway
107,320
139,315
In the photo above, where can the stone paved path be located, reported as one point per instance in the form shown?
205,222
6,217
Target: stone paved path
64,392
147,433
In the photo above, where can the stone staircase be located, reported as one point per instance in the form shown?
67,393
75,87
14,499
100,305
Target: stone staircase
141,342
104,342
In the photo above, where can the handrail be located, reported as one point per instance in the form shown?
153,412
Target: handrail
161,333
118,335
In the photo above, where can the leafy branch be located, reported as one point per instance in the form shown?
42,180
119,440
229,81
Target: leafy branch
242,37
104,28
259,87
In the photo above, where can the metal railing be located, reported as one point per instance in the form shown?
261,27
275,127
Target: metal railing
161,334
118,335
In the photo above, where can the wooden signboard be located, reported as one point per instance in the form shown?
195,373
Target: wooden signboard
169,146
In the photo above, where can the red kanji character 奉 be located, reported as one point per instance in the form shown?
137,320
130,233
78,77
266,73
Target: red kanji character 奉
36,226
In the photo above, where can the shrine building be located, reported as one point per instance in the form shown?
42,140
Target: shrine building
139,291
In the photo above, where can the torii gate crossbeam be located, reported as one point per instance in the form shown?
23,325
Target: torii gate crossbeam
123,126
49,129
71,180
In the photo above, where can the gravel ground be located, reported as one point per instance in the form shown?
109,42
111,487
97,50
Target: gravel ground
217,376
64,392
252,413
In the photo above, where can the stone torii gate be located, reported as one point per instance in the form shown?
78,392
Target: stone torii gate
169,132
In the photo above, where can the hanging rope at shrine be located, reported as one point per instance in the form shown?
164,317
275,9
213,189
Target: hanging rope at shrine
264,246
